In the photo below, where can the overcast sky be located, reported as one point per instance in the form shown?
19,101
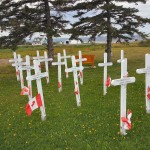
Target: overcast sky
144,11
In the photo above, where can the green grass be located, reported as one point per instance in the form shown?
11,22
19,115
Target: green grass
93,126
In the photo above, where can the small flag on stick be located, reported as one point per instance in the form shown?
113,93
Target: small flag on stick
33,104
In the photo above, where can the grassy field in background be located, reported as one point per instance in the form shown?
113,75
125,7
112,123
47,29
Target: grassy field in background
94,125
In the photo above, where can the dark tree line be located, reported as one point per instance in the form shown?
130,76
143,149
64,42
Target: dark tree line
107,18
95,18
25,17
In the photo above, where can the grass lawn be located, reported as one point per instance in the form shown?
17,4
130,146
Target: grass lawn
93,126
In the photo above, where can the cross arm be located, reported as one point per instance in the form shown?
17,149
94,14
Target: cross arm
83,59
120,60
105,64
18,63
74,68
140,71
38,57
123,81
48,59
26,68
63,57
14,60
58,63
37,76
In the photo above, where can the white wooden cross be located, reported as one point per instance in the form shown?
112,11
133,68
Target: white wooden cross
105,64
123,83
15,61
28,68
20,64
59,63
146,71
122,57
65,60
38,56
46,60
74,69
80,65
38,75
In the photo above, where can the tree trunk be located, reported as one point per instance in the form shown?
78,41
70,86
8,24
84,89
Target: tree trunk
109,36
49,31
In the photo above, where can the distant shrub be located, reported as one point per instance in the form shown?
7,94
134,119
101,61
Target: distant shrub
144,43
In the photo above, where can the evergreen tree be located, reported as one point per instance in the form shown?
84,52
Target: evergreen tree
105,17
23,18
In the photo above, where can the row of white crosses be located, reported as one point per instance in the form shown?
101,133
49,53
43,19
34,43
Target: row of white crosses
74,69
20,66
125,122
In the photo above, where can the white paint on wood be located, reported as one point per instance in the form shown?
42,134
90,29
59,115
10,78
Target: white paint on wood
122,57
38,75
146,71
65,57
15,61
46,60
105,65
80,60
75,69
59,64
123,83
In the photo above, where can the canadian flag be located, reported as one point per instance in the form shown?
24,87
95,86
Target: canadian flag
148,92
25,91
33,104
108,81
127,121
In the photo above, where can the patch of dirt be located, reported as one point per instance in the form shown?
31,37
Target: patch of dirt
4,62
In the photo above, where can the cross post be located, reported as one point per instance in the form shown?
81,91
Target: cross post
38,75
65,60
15,61
80,65
122,57
59,63
74,69
28,68
146,71
20,64
46,60
123,83
105,64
